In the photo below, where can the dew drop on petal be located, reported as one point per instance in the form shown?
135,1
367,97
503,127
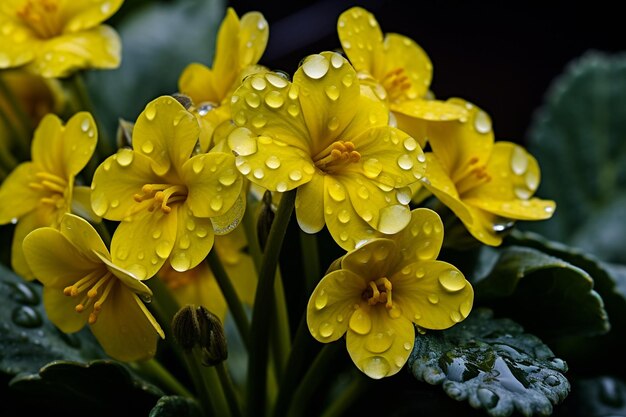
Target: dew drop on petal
379,342
433,298
344,216
375,367
519,161
315,66
180,261
372,167
326,329
336,60
147,147
532,180
124,157
332,92
242,141
163,249
276,80
150,111
410,144
482,122
321,300
216,203
228,178
295,175
360,322
258,83
281,187
253,100
85,124
272,162
337,192
393,219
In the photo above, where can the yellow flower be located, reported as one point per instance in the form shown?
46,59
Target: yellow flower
198,286
167,202
397,69
55,38
485,184
321,135
75,268
240,45
381,288
37,193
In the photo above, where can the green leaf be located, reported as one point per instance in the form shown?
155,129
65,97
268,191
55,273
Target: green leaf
159,39
492,364
599,396
28,340
548,295
175,406
103,387
578,140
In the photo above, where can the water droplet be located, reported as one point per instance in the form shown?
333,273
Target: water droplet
22,293
339,318
347,79
393,219
455,316
163,249
26,316
482,122
228,178
360,322
375,367
405,162
332,92
433,298
333,123
276,80
548,209
281,187
465,308
205,107
293,110
452,280
272,162
344,216
258,83
395,311
253,100
336,191
105,7
293,92
532,180
147,147
410,144
184,241
217,203
198,165
274,99
421,157
519,160
407,346
552,380
124,157
372,167
141,255
201,232
315,66
150,111
85,125
243,142
326,329
487,398
378,343
156,234
180,261
522,192
367,215
295,175
321,300
337,61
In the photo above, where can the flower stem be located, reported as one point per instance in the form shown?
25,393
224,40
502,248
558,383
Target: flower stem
213,391
7,160
229,389
258,353
348,396
25,128
155,369
234,304
310,260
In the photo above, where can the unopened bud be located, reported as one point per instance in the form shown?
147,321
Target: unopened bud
266,218
124,135
196,326
183,99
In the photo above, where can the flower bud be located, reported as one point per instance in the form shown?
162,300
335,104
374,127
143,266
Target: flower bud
183,99
196,326
266,218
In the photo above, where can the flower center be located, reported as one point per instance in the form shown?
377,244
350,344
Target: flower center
396,82
52,187
161,195
337,155
378,292
89,286
471,177
42,16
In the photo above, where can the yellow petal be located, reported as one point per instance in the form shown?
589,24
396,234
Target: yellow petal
60,309
401,52
432,294
30,221
213,183
385,348
117,180
343,222
422,238
414,127
63,55
196,81
82,235
225,61
54,260
82,15
128,279
373,260
310,205
143,242
270,163
253,36
266,103
81,204
166,133
332,303
214,126
431,110
239,266
328,91
360,37
18,43
47,148
194,240
16,195
125,328
78,142
461,146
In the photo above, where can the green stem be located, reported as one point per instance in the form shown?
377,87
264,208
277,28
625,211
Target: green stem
249,227
258,353
155,369
347,397
229,389
281,336
310,260
7,160
312,379
212,391
234,303
24,131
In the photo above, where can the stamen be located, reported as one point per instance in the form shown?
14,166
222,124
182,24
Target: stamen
379,292
336,155
162,195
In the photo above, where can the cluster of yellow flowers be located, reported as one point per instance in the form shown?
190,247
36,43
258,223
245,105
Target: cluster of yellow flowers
358,136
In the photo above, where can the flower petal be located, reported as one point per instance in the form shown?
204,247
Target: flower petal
253,36
226,66
373,260
310,205
533,209
79,139
402,52
432,294
194,240
431,110
328,91
81,15
143,242
128,279
84,237
483,226
60,309
63,55
414,127
461,146
332,303
16,195
213,183
30,221
18,43
47,148
361,37
384,349
197,82
422,238
81,204
125,328
117,180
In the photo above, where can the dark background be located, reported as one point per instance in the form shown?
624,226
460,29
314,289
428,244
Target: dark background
500,55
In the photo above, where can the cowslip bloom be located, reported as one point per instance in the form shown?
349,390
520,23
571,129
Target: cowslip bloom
397,69
240,45
319,134
166,201
82,285
486,184
55,38
37,193
381,289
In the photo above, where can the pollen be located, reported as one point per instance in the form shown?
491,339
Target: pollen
336,155
396,83
42,16
379,292
94,289
161,196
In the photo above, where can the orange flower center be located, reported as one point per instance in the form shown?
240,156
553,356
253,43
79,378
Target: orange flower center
378,292
471,177
42,16
90,286
161,195
396,83
337,155
51,187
